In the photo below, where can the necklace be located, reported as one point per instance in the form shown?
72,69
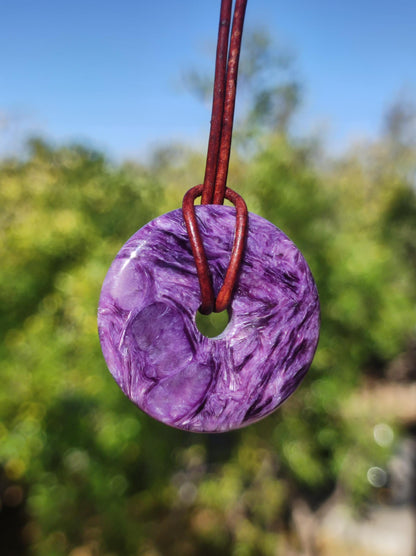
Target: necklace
172,267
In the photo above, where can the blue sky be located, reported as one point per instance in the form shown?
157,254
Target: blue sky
108,72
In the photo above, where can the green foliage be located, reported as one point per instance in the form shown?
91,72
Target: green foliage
103,477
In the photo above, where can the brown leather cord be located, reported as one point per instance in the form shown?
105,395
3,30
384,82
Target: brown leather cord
214,189
224,295
229,102
198,251
217,103
208,304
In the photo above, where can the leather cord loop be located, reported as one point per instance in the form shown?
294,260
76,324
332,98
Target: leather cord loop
214,189
208,303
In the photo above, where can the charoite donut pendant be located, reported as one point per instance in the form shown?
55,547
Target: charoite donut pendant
157,355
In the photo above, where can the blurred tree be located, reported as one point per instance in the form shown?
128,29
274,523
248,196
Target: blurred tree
400,122
103,478
269,88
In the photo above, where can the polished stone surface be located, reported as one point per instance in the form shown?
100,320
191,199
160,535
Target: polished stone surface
156,353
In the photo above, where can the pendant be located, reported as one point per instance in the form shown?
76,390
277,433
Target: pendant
156,353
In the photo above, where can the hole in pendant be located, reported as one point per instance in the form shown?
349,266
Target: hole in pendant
212,325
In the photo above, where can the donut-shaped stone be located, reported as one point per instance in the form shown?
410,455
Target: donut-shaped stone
157,355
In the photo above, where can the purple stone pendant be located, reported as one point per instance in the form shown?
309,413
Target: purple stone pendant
154,350
203,257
